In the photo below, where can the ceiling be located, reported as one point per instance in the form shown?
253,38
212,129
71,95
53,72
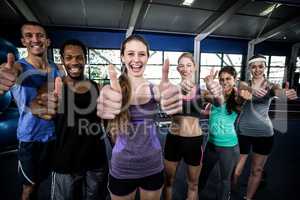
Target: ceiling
222,18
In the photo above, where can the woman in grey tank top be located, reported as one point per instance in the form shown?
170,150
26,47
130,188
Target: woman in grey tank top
254,127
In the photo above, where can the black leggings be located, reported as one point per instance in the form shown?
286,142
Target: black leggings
227,158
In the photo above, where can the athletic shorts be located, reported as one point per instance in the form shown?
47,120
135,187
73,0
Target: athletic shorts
259,145
188,148
123,187
34,161
88,185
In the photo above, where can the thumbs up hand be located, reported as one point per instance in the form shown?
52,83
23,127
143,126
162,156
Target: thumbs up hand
186,86
170,96
8,73
262,91
46,103
109,103
244,91
213,86
290,93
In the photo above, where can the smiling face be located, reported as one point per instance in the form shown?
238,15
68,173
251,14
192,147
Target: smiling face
34,38
257,69
135,57
227,81
74,61
186,68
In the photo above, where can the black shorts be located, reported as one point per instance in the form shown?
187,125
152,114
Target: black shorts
123,187
34,161
188,148
260,145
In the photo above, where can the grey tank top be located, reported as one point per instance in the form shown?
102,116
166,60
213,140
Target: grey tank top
138,153
254,119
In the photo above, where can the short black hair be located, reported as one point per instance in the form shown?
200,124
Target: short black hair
73,42
33,23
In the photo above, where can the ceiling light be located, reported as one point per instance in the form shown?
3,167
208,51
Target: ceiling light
187,2
269,9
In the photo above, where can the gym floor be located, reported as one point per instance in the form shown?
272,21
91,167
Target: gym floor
282,170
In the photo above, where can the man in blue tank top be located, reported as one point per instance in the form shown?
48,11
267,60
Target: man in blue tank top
24,78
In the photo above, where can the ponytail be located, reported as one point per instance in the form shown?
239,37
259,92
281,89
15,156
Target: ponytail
231,104
119,124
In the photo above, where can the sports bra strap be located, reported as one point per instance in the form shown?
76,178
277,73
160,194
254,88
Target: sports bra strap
152,91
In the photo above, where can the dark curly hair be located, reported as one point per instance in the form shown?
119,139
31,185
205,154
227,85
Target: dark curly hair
231,104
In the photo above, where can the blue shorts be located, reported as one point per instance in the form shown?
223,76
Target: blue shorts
34,160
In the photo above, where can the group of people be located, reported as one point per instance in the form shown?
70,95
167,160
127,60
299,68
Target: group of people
65,117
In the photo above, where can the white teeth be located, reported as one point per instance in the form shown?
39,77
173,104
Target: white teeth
35,46
74,70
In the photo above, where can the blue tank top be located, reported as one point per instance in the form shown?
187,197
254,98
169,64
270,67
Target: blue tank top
138,153
30,127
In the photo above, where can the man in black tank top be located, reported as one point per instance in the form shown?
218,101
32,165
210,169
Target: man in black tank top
79,164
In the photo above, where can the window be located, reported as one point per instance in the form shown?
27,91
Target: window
56,56
153,68
22,52
276,69
98,60
234,60
211,59
173,56
267,59
208,61
298,64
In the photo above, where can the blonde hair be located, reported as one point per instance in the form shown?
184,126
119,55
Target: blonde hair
187,55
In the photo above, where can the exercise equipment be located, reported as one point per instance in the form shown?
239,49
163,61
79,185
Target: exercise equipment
5,101
8,128
8,115
5,48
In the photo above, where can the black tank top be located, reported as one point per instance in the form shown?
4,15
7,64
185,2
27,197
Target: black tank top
193,106
79,146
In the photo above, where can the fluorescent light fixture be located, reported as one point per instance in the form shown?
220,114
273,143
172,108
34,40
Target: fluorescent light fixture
269,9
187,2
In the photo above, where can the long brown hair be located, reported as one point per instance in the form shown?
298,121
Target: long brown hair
231,104
119,124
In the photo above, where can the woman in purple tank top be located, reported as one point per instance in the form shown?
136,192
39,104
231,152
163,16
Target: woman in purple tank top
129,104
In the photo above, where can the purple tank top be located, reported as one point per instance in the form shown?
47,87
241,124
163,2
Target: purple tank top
138,153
